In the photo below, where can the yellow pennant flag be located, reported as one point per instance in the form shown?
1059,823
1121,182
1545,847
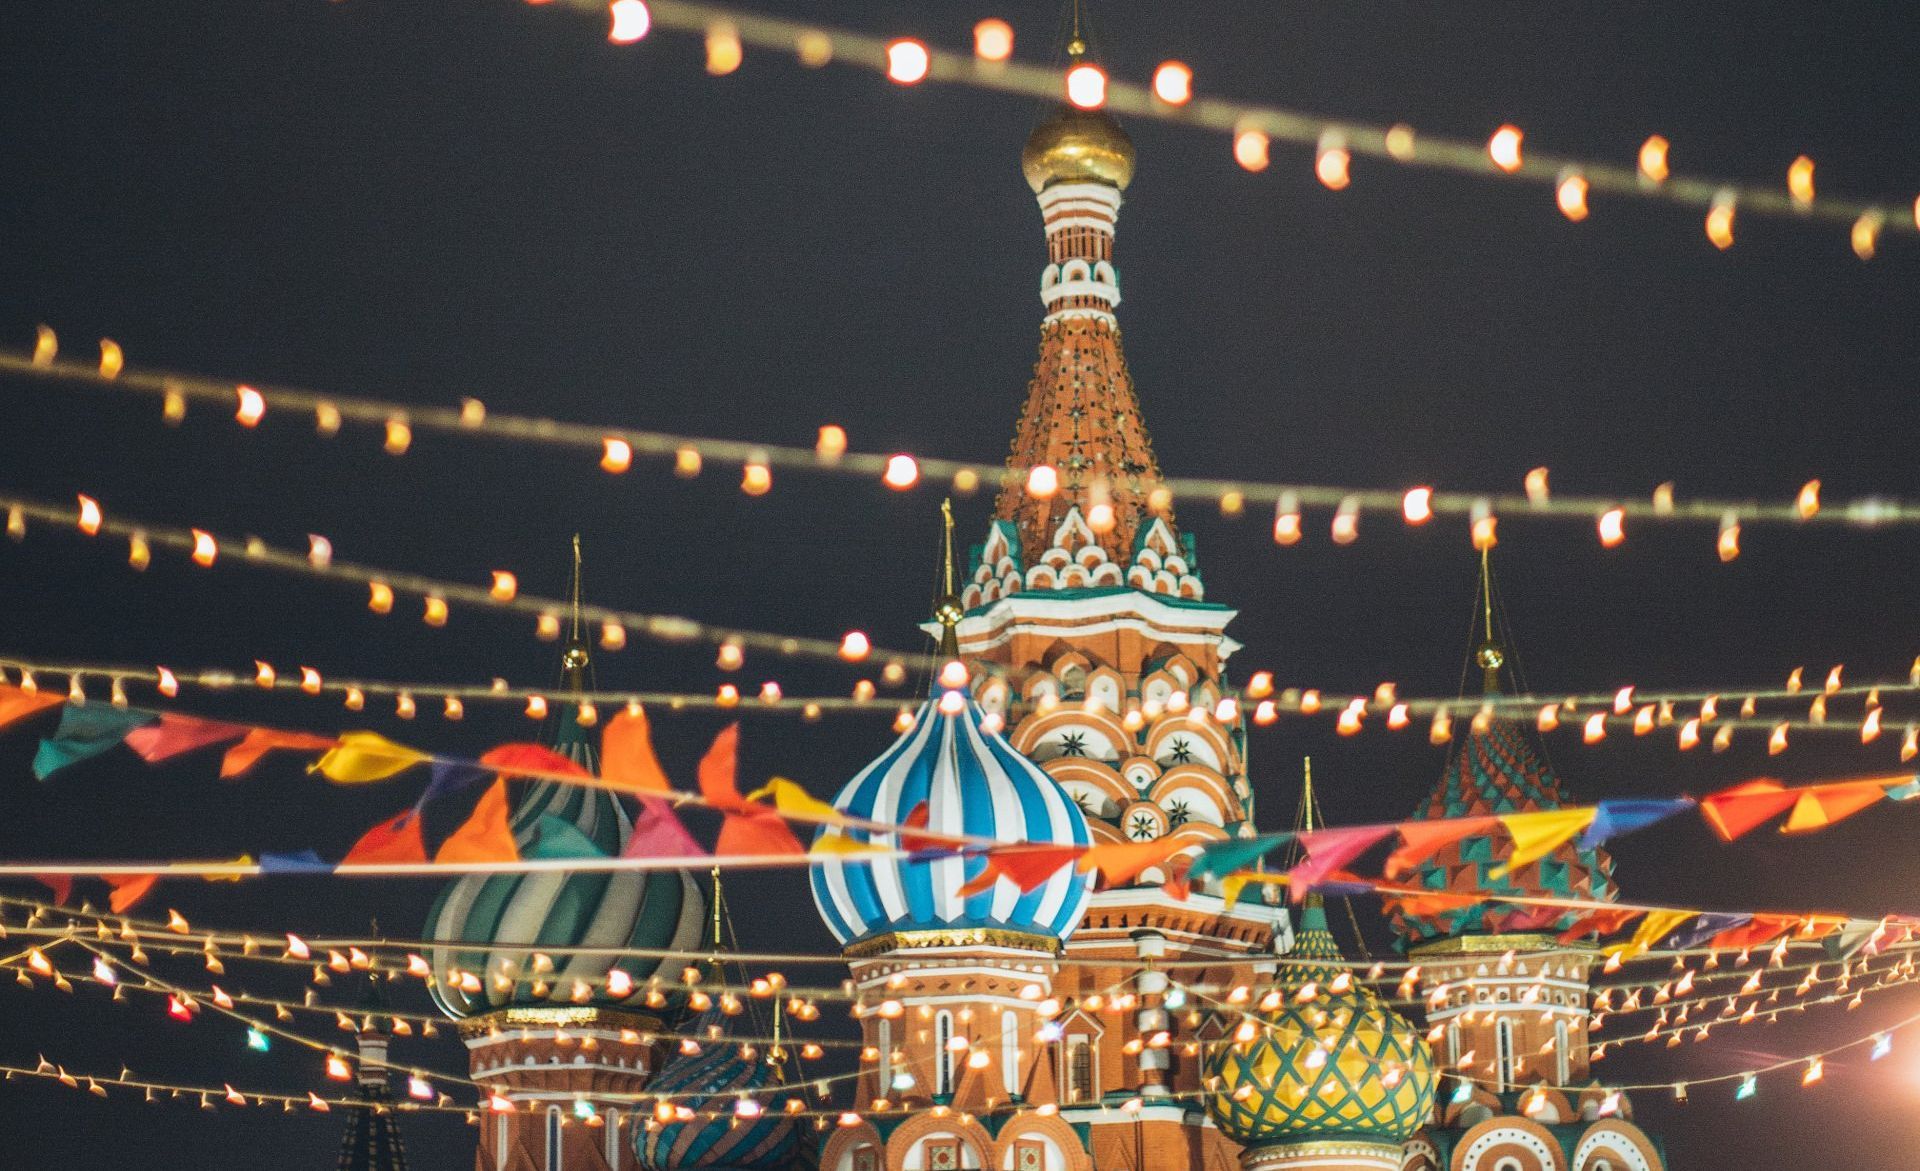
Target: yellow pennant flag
1535,835
793,801
839,843
1231,886
360,757
243,860
1656,926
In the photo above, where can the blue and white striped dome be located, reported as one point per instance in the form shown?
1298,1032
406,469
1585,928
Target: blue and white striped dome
974,783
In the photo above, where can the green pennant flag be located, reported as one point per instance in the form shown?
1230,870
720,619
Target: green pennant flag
86,730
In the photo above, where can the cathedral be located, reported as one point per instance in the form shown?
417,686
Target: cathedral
1028,1022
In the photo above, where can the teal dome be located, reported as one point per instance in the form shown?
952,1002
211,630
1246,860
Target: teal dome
708,1084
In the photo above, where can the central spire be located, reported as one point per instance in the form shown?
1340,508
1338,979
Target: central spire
1082,417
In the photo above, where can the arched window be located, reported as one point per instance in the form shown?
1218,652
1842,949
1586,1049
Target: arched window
1506,1064
554,1148
1010,1052
1562,1057
883,1039
943,1060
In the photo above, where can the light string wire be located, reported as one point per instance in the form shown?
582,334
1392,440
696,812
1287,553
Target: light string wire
815,46
383,585
618,445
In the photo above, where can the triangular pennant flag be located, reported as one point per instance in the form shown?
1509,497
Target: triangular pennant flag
448,778
1707,925
260,741
556,837
1535,835
1118,863
176,734
533,758
1026,867
242,860
917,818
1850,938
17,703
86,730
362,757
486,835
1657,925
838,844
1820,806
1421,840
1529,917
793,801
128,889
1329,850
1231,886
1613,818
626,753
1231,854
1599,923
1426,903
756,832
658,833
396,839
60,884
718,771
1734,811
299,862
1757,930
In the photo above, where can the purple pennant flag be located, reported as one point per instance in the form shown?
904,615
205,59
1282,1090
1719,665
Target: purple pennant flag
1703,927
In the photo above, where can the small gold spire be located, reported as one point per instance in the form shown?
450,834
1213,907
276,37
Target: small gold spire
947,611
1076,44
1306,794
573,661
1491,655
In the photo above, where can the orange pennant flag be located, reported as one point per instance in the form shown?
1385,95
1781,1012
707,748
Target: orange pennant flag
1821,805
1421,840
486,836
396,839
532,758
718,770
759,831
128,889
260,741
17,703
1733,812
626,753
1118,863
1024,866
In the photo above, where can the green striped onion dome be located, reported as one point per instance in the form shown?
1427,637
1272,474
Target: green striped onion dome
1336,1065
709,1084
555,909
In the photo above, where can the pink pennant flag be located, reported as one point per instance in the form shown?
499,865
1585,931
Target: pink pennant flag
176,734
659,833
1329,850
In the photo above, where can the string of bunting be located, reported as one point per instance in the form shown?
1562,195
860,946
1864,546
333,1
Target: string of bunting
618,447
1171,98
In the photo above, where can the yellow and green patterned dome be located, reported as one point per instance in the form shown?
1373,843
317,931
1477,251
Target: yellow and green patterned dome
1340,1066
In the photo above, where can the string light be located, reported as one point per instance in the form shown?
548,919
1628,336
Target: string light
1173,83
724,51
1800,181
1087,86
1571,195
1653,159
907,61
1504,148
631,20
1332,162
993,40
1720,220
1250,149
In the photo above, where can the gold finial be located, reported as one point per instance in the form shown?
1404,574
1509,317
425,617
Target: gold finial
1076,45
1306,793
1490,655
573,661
714,957
947,611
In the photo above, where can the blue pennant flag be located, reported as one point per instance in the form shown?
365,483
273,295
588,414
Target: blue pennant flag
1705,926
1613,818
302,862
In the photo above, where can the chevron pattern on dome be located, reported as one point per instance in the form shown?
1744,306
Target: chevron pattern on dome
1491,773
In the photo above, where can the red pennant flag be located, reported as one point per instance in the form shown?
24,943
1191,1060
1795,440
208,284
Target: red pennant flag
1328,850
1026,867
486,835
1118,863
532,758
60,884
626,753
1421,840
128,889
756,832
719,769
177,734
1602,923
917,818
1761,929
396,839
260,741
1733,812
18,704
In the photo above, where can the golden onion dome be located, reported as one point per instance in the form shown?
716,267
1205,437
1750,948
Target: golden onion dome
1078,146
1333,1062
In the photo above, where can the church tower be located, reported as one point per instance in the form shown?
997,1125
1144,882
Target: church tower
372,1138
568,1040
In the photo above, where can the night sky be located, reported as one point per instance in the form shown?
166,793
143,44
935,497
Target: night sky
428,200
